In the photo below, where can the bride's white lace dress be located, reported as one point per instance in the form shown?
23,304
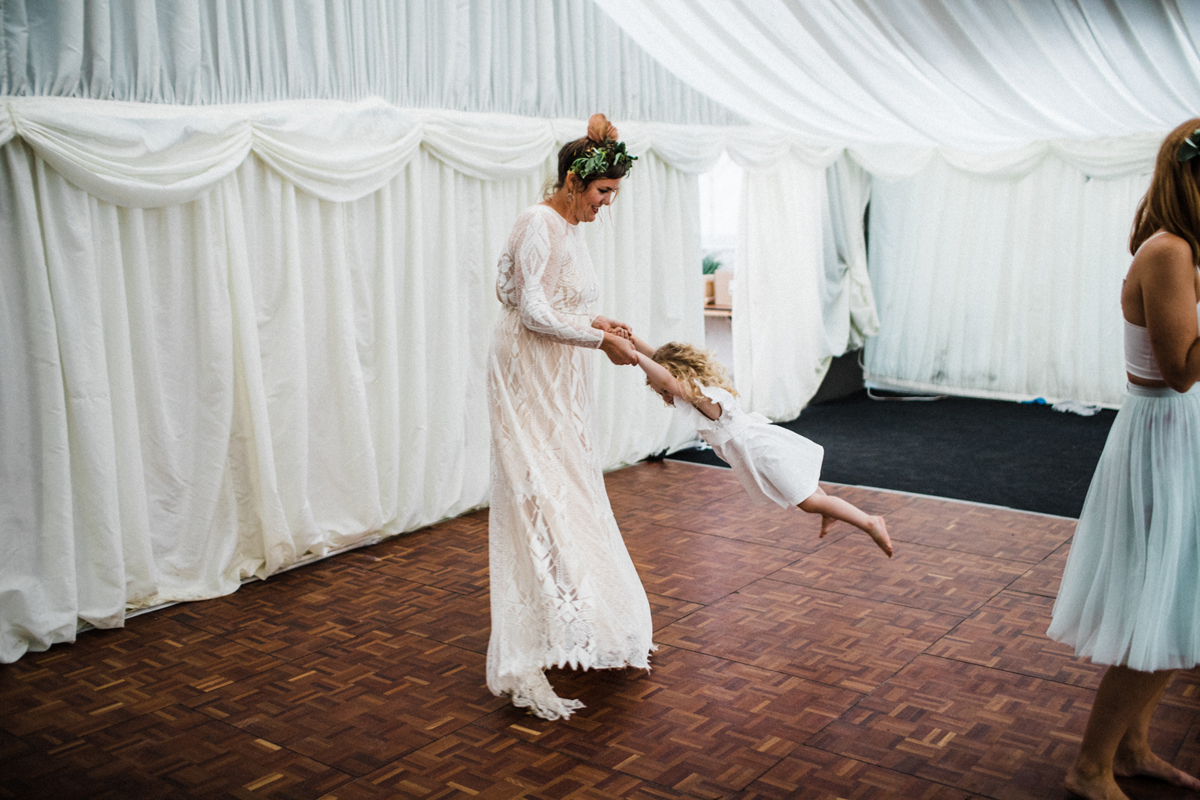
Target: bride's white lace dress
563,588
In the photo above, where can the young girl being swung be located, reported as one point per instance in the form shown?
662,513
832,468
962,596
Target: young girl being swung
771,462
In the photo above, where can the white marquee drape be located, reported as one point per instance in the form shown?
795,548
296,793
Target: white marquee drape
972,75
967,114
253,338
801,292
534,58
1000,275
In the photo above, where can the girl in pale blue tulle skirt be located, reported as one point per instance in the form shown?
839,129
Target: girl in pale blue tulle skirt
1128,596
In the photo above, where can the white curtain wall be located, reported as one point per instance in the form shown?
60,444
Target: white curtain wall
801,293
999,276
238,337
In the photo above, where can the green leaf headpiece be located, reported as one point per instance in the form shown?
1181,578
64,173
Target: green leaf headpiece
600,158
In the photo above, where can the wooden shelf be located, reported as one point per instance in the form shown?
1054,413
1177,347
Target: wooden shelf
718,311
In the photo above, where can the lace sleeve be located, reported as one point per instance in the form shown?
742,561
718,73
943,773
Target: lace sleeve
530,258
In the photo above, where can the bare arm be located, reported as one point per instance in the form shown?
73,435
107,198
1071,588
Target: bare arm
640,345
663,381
618,340
660,379
1164,275
618,349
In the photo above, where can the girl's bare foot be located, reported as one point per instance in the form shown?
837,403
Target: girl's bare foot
1148,765
826,523
877,530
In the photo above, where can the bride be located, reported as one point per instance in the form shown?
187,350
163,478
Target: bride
563,588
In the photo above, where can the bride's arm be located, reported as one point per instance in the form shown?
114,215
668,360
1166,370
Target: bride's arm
527,268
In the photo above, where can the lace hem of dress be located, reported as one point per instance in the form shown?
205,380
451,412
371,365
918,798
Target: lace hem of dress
530,689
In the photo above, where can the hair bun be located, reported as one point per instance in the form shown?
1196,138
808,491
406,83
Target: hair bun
599,128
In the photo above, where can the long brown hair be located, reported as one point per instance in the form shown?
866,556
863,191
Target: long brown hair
1172,203
693,367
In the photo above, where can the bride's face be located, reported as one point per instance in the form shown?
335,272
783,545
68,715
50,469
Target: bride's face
599,193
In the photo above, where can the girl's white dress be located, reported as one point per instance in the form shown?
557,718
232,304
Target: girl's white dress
563,588
1128,593
772,463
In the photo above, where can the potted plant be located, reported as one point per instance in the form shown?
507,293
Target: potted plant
709,268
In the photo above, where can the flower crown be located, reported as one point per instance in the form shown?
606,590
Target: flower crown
600,158
604,151
1190,148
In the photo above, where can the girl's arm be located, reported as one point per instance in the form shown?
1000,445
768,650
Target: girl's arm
660,379
663,381
640,345
609,325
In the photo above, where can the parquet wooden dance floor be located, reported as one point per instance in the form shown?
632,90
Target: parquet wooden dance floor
787,667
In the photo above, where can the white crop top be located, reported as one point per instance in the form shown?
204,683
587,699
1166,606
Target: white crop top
1139,356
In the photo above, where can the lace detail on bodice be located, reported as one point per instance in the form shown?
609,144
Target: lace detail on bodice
546,274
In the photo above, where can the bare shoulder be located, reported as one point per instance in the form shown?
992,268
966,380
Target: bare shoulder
1165,248
1164,261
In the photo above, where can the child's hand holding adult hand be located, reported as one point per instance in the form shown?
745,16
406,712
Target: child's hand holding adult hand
618,349
612,326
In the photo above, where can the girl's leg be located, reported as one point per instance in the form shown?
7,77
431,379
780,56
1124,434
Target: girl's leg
831,508
1115,741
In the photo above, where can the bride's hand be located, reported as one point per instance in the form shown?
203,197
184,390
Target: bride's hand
618,349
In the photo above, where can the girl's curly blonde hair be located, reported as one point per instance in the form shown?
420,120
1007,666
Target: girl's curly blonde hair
693,367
